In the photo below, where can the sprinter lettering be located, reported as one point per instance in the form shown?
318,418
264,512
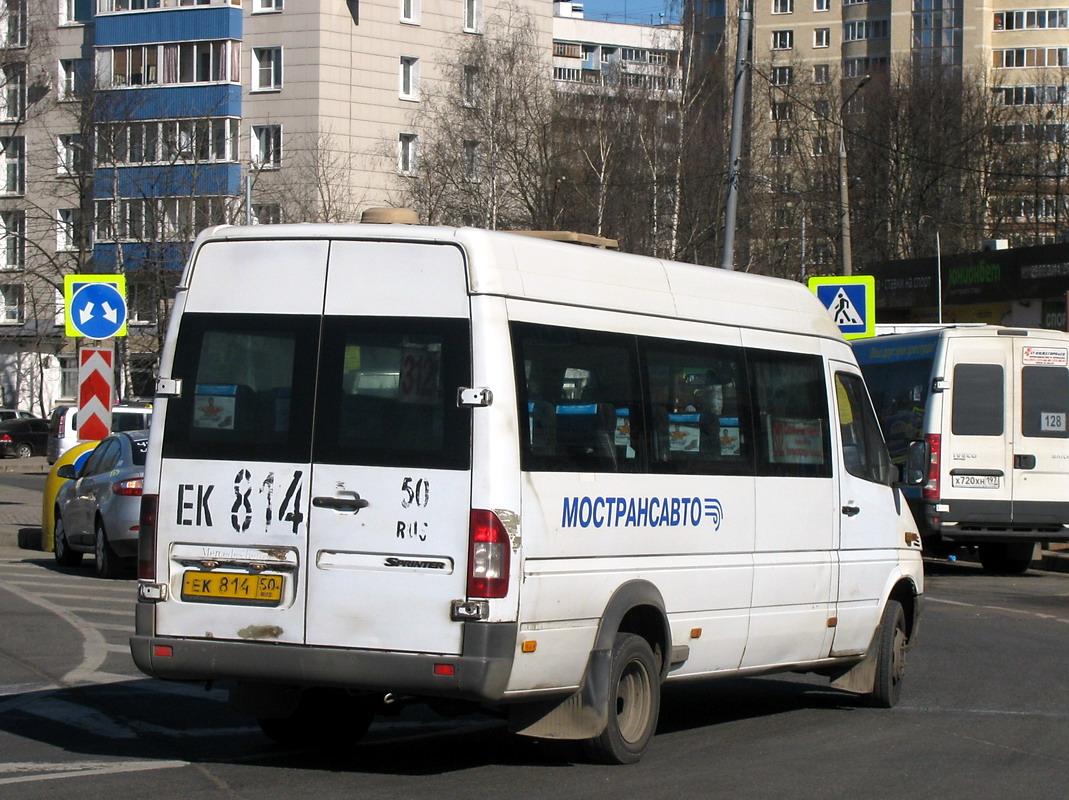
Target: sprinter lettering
641,512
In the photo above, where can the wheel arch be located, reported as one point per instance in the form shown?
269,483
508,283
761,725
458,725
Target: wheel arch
637,607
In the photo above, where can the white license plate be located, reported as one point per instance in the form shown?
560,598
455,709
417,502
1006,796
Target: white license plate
975,481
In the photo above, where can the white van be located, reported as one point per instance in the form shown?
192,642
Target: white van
992,405
452,464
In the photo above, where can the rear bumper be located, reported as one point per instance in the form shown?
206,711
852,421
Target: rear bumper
995,521
481,673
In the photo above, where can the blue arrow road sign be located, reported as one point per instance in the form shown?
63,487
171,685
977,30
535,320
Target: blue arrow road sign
97,310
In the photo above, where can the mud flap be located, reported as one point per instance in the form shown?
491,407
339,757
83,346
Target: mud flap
860,678
582,715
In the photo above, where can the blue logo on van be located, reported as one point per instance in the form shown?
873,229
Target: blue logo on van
641,512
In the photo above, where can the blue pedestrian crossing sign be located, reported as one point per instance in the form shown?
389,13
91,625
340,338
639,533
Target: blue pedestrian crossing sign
851,301
95,305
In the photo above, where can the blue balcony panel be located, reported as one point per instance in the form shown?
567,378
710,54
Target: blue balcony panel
140,256
170,180
178,25
171,102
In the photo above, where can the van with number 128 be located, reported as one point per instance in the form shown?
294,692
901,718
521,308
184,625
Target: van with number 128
393,461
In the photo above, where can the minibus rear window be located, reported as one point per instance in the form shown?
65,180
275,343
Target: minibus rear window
977,409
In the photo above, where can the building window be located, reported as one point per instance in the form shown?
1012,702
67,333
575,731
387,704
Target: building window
71,153
820,74
410,11
13,95
473,16
67,221
608,54
266,6
266,214
567,50
68,367
13,22
863,29
782,6
469,90
12,302
782,76
12,165
821,5
820,145
782,40
406,153
71,78
67,12
13,239
568,74
409,78
821,109
781,112
780,148
1032,19
267,146
471,161
267,69
822,37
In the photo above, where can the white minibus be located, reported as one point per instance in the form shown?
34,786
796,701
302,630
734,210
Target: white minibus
992,404
393,461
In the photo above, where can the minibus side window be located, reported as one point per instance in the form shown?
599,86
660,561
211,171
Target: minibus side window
977,409
697,425
899,391
791,426
864,453
1045,402
578,400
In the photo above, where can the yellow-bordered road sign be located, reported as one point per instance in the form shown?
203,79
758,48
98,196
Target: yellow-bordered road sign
851,301
95,305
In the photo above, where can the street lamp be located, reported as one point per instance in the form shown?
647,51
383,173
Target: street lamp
938,271
844,189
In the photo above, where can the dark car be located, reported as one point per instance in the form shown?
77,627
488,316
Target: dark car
97,509
22,438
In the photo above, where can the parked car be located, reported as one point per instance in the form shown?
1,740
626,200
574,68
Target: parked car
63,425
15,413
97,510
22,438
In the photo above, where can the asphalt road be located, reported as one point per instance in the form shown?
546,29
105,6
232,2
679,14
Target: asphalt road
984,714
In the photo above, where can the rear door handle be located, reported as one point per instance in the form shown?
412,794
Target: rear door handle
1024,462
353,502
851,510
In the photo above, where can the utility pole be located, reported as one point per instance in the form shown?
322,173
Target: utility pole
844,188
738,110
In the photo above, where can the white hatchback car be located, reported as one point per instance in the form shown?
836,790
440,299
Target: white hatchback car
63,425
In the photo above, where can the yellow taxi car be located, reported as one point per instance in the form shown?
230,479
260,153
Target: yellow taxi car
76,456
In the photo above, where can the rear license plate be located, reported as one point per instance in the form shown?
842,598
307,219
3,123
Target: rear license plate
232,587
975,481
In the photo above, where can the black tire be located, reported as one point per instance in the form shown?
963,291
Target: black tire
634,699
65,557
322,718
107,564
892,642
1006,558
23,450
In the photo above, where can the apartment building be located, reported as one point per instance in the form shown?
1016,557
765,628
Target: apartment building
128,125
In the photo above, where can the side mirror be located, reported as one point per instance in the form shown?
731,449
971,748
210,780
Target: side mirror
915,470
66,471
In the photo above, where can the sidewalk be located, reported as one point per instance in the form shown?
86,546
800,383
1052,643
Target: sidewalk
20,509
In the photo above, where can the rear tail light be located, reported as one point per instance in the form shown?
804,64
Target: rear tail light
6,438
62,425
146,539
931,488
131,487
488,558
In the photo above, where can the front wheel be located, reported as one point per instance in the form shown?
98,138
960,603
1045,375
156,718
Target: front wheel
634,703
892,641
65,556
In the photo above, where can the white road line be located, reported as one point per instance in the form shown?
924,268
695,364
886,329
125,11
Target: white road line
113,626
79,769
1036,614
128,612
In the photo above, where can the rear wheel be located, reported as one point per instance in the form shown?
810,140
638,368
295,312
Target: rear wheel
322,717
1006,558
892,641
24,450
108,564
634,703
65,557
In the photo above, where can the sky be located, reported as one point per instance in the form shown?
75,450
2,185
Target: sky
642,11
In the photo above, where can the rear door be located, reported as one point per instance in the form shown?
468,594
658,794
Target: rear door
391,483
976,459
1040,474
